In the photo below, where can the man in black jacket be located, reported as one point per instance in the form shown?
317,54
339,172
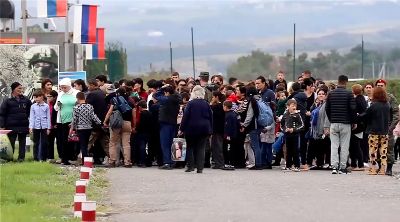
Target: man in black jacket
14,115
341,112
96,98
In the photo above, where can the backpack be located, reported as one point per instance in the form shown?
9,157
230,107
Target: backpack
116,120
265,116
121,104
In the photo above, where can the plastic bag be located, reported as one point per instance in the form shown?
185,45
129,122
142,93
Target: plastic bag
178,149
6,152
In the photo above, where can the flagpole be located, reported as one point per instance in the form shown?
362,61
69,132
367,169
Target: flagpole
66,40
194,69
170,55
24,22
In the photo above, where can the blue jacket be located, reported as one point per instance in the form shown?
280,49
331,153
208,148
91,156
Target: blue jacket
14,114
231,125
197,118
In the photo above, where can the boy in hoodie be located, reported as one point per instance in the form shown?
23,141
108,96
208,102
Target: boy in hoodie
231,129
292,124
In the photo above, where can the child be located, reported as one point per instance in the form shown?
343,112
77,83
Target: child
249,153
267,138
143,130
51,99
280,78
39,125
292,124
281,106
231,129
218,129
83,117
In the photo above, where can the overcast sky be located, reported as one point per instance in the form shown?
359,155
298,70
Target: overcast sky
152,22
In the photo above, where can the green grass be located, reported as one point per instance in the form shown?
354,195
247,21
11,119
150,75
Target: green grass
34,191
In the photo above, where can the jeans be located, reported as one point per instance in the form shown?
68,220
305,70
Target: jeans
266,154
167,134
140,145
40,144
256,145
84,135
340,137
12,136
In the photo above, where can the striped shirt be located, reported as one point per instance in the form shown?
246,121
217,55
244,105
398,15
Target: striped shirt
39,117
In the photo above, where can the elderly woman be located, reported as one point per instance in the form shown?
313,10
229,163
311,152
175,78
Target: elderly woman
64,106
197,127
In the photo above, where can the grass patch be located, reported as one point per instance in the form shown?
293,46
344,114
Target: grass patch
33,191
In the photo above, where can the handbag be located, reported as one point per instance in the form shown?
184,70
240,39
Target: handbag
73,137
178,149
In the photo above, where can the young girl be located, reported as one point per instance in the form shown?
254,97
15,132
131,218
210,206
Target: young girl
83,117
39,125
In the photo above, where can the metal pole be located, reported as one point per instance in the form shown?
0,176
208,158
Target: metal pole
170,55
362,57
194,69
24,23
66,41
294,52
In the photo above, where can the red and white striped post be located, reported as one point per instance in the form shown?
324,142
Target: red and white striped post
80,186
78,200
85,173
89,211
88,162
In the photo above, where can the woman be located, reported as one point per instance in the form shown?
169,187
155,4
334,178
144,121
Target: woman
320,143
138,87
64,106
14,113
123,133
80,85
47,87
377,118
356,153
197,127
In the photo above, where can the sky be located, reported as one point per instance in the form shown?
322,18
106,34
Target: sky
155,23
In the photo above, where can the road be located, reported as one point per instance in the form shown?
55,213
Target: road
151,194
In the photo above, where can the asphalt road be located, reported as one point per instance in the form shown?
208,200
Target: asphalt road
151,194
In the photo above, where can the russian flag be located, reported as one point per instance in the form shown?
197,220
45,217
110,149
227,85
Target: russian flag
85,23
96,51
52,8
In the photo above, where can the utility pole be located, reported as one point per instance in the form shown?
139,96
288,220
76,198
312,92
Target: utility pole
362,57
24,22
170,56
294,52
194,69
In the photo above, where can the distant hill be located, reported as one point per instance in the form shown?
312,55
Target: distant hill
216,56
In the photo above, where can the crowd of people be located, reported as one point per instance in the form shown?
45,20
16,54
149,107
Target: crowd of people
305,125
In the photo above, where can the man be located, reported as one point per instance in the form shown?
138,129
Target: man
96,98
266,94
169,102
14,115
395,118
175,77
204,78
341,112
102,82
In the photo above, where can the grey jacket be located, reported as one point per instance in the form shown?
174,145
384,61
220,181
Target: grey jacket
322,123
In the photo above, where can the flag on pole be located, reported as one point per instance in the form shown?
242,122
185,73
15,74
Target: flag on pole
96,51
85,23
52,8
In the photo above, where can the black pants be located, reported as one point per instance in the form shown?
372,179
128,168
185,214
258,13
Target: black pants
217,143
141,141
12,136
311,151
303,147
195,151
292,147
238,158
397,148
154,147
84,135
51,138
40,144
323,151
67,148
356,153
207,157
365,148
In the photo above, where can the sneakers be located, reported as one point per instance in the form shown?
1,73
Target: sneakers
228,167
296,169
335,171
105,161
166,167
344,171
250,166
